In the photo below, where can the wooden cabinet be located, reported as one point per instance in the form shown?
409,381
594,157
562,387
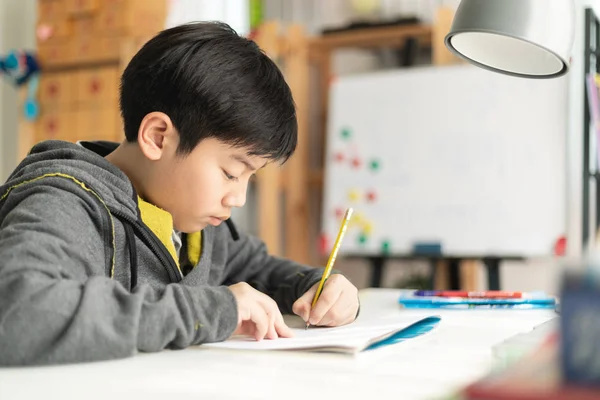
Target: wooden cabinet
83,47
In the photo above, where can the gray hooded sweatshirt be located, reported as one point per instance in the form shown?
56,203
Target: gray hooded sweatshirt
83,278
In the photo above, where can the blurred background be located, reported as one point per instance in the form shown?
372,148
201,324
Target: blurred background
374,73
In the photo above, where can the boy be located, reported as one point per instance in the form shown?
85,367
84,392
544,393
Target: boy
109,249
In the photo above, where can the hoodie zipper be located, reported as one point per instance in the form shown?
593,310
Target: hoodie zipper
150,239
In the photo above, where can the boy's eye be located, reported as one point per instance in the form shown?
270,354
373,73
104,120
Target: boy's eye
229,177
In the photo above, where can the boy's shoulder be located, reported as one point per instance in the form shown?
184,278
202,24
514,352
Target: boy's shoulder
79,166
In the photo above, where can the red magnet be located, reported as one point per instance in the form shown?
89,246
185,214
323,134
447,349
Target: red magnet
371,196
323,244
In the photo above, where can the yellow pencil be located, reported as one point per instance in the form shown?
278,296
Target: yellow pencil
331,260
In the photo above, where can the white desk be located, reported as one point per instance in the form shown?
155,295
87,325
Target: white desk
456,352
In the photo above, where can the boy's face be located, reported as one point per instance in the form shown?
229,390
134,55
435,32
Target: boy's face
200,188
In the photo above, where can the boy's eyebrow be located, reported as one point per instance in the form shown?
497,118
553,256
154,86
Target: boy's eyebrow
244,160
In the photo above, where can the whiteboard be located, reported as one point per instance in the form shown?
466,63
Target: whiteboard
457,156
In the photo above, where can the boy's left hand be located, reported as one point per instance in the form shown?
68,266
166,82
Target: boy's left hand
337,304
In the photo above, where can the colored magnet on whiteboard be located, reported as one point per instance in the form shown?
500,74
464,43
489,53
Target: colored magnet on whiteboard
362,238
339,212
358,218
354,196
339,156
367,227
323,244
346,133
371,196
375,165
560,247
385,247
356,162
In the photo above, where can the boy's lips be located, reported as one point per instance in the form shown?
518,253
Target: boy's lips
215,221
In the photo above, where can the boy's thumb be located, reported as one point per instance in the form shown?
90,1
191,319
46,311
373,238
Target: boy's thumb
302,306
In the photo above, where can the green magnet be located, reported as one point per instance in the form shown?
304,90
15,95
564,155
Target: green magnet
375,165
346,133
385,247
362,238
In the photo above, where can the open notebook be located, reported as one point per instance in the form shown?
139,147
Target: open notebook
351,339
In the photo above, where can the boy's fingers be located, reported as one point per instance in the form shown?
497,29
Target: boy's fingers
272,314
271,331
342,312
328,298
327,322
282,329
336,316
261,323
246,328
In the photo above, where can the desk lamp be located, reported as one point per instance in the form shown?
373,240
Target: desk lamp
524,38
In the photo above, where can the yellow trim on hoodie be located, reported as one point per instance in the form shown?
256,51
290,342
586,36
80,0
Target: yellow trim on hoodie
158,220
84,187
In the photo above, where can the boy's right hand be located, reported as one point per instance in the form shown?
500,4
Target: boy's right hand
258,314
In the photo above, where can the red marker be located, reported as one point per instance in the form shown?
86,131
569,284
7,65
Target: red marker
490,294
560,247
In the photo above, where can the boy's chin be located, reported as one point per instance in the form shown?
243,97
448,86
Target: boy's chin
192,228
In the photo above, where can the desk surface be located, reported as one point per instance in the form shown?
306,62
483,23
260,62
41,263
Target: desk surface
454,354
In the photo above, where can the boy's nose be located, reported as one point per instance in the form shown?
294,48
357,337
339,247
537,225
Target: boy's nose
235,200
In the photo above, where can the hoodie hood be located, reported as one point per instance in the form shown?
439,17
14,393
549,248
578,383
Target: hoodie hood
85,162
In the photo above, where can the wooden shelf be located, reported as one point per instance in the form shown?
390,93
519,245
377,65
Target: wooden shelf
394,36
315,177
74,66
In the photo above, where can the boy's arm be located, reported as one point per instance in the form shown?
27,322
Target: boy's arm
284,280
51,311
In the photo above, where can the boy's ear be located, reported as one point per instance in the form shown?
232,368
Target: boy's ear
157,135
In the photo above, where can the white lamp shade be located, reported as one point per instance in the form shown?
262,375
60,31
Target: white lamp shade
526,38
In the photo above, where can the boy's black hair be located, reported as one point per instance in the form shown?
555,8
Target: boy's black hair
214,83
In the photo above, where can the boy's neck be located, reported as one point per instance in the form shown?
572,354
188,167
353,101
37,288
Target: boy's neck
127,158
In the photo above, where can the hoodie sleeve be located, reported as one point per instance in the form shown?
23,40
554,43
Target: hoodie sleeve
284,280
58,306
